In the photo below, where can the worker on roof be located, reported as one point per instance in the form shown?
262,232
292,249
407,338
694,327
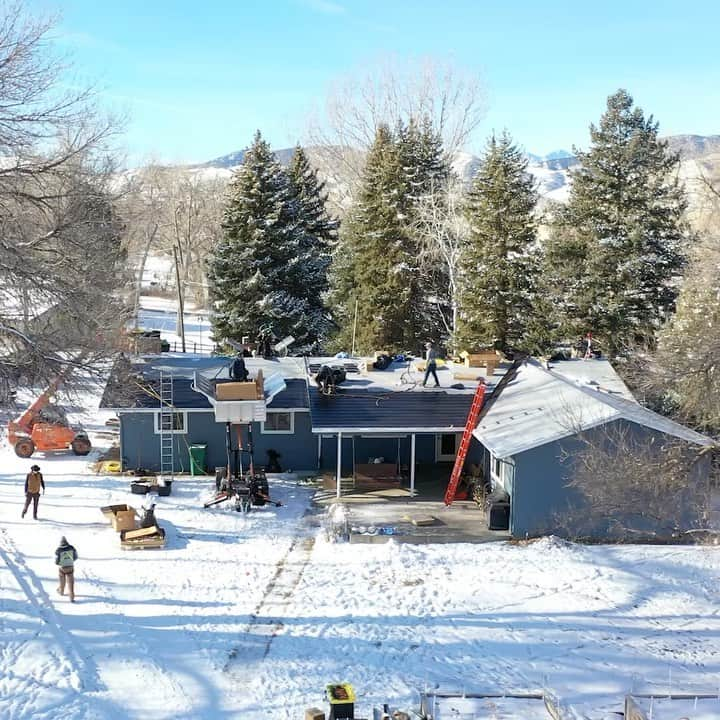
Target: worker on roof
33,483
431,364
239,372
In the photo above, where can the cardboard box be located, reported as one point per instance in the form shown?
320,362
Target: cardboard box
253,390
236,391
124,520
314,714
109,510
488,359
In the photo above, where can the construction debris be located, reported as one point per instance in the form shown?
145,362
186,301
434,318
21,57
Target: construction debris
151,537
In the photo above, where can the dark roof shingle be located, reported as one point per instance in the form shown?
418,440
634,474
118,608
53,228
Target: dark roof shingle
376,411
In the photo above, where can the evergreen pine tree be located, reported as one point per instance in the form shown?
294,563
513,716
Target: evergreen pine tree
498,266
370,266
689,345
319,238
378,263
256,273
617,246
425,174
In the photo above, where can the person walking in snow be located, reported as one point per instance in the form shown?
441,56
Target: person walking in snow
431,364
65,557
33,483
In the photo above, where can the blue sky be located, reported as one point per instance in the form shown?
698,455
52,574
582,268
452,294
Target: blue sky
197,78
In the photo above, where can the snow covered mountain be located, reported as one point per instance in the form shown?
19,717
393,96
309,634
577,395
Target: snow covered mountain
234,159
699,155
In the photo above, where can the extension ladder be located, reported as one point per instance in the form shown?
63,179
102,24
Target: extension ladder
167,425
472,418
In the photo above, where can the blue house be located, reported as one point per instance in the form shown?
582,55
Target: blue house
382,425
375,418
133,393
530,433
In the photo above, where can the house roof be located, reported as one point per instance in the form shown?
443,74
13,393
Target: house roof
357,409
128,390
539,406
287,367
398,378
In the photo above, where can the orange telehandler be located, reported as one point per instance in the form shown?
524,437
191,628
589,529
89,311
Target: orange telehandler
40,429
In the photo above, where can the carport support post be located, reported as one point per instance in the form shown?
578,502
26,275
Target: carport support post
412,465
339,463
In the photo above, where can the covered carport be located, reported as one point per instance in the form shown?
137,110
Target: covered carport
356,425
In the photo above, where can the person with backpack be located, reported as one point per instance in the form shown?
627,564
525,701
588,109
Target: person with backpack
33,483
65,557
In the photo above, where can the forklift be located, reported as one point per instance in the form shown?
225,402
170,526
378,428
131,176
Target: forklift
44,427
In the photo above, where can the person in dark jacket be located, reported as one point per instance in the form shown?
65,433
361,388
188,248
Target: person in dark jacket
65,557
431,366
33,483
239,372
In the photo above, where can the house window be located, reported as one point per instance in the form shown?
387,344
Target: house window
501,473
175,423
446,446
278,423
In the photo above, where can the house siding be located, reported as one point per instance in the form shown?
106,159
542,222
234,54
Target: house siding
140,446
540,497
539,493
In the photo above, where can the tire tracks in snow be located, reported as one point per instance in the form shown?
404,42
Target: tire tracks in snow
266,620
84,670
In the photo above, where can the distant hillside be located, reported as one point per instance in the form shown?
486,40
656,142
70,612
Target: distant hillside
699,155
692,147
234,159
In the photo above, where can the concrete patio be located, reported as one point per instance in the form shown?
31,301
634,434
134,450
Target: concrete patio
462,522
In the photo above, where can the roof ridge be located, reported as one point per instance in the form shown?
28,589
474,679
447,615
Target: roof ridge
617,401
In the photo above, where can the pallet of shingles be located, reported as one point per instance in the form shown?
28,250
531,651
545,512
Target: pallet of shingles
151,537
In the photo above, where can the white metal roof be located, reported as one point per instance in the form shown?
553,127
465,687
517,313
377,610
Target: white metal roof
540,406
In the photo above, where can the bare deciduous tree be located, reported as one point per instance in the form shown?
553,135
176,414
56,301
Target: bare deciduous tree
170,208
386,93
637,483
441,229
59,238
683,374
142,205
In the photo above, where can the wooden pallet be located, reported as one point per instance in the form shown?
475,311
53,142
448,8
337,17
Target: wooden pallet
145,545
153,537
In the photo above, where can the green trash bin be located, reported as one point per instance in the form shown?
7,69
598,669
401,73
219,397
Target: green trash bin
197,458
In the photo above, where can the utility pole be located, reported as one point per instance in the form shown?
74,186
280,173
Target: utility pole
352,352
181,305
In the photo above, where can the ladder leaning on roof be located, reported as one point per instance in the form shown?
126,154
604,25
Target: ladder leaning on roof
477,403
475,409
167,421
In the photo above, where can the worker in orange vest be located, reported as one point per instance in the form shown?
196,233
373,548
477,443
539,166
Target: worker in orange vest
33,483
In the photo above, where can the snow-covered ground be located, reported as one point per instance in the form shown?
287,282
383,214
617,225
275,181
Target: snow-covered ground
158,313
250,617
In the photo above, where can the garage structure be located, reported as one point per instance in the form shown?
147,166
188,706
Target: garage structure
530,432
